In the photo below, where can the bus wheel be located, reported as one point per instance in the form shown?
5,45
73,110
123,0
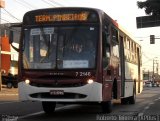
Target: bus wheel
106,106
132,99
49,107
124,101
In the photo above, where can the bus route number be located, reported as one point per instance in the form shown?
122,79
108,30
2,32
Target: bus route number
83,73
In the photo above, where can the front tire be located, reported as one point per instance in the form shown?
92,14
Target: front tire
49,107
106,106
124,101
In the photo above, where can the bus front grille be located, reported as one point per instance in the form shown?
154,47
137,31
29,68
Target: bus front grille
66,95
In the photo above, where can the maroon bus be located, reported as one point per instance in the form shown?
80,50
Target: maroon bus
76,55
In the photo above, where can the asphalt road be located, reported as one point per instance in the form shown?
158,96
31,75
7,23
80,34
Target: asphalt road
147,108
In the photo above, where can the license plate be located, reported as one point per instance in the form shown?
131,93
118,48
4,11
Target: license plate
56,92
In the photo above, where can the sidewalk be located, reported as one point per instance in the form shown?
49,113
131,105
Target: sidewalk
9,94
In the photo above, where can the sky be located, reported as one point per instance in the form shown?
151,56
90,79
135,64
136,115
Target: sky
124,11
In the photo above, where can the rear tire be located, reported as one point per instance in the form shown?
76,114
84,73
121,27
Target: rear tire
106,106
129,100
132,99
49,107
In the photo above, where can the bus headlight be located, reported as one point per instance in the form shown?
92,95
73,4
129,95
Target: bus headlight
90,81
27,81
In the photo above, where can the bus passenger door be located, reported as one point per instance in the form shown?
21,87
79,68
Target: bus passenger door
122,66
107,81
139,79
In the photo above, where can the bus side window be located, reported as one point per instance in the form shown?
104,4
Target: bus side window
115,44
106,49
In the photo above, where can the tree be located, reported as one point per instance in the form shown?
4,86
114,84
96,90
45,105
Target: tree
152,7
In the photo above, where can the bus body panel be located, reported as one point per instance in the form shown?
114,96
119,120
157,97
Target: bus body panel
131,79
107,89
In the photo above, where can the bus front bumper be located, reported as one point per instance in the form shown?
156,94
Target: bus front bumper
87,93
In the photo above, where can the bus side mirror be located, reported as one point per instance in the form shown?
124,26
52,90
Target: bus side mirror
14,35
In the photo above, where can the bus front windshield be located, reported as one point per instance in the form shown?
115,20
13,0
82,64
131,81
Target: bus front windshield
60,47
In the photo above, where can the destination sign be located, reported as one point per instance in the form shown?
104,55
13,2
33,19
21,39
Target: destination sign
51,16
62,17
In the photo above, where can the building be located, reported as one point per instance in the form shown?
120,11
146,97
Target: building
148,76
9,57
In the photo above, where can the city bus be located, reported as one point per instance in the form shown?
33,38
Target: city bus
76,55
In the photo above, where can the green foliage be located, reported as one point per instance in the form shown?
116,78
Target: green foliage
151,7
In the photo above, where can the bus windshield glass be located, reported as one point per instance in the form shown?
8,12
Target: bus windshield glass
60,47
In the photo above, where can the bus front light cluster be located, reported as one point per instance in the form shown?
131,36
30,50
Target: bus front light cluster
90,81
27,81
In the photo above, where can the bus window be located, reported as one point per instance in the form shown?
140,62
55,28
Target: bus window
114,35
61,47
40,48
115,49
79,48
106,48
115,46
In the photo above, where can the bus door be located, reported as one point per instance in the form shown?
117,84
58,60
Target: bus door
115,62
122,66
107,81
139,79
